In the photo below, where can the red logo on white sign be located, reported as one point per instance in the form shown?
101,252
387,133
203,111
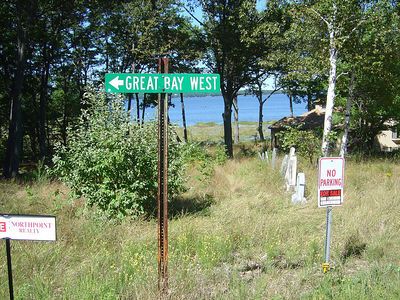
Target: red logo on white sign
3,227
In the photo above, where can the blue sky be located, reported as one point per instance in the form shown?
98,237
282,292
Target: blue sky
198,13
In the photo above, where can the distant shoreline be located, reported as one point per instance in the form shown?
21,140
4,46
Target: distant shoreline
214,124
210,109
241,93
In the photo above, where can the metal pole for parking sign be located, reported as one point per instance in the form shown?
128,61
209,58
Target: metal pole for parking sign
9,268
326,265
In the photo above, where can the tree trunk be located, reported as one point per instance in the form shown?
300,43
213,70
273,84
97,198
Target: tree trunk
185,137
64,124
236,119
349,102
48,138
137,108
32,139
227,117
14,142
309,101
330,98
33,128
130,95
291,104
260,113
43,104
129,104
144,107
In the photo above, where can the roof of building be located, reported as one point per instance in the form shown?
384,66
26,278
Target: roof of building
311,119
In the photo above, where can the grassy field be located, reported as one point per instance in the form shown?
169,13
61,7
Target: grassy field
233,235
213,132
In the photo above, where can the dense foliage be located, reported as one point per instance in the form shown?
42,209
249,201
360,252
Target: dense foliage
113,162
205,159
306,143
51,51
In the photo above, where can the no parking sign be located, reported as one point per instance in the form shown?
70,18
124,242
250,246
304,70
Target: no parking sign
330,181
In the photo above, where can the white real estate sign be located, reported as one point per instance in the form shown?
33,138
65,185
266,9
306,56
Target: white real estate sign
27,227
330,181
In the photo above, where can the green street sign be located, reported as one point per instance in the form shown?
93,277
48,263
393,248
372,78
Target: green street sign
162,83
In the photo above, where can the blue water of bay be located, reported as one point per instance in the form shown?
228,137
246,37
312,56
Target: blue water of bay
210,109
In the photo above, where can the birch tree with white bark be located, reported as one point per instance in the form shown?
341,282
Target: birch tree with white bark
336,21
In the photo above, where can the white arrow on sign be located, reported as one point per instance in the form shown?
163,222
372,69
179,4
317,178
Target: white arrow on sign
116,82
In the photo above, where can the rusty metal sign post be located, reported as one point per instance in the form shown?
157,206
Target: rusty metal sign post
162,84
162,197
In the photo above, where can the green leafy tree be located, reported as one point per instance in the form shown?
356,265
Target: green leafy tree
303,69
230,53
270,34
376,69
159,29
335,22
34,50
15,64
112,162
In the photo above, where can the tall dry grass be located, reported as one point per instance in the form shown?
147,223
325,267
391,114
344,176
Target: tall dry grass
233,235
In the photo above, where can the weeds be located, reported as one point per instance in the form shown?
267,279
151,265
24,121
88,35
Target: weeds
353,247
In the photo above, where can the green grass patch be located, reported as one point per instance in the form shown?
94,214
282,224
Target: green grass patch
211,132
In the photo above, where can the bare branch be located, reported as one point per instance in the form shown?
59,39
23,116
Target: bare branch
235,106
273,92
345,38
190,13
320,16
341,74
249,81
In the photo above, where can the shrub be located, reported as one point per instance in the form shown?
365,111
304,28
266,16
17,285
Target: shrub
204,159
113,162
307,143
